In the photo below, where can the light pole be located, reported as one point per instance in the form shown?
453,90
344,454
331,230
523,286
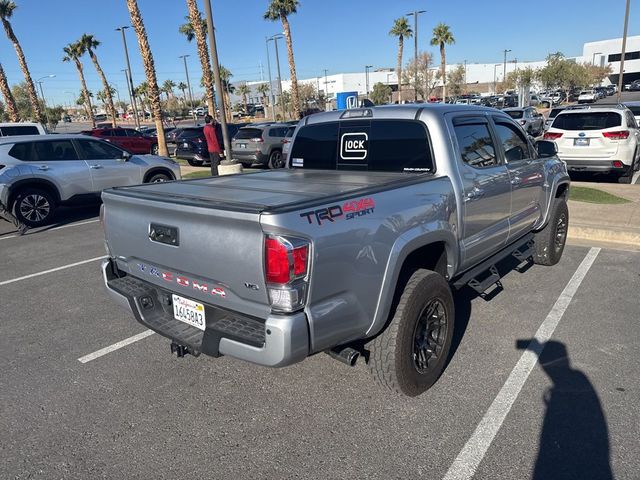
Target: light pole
624,51
465,76
130,75
504,68
126,77
366,79
275,42
73,98
495,85
271,95
44,100
186,72
415,50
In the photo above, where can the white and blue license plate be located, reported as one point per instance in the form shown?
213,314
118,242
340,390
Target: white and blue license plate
581,142
242,145
185,145
189,312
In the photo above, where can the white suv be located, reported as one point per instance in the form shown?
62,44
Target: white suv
597,139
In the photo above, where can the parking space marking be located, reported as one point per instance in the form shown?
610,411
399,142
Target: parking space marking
51,270
467,461
115,346
55,228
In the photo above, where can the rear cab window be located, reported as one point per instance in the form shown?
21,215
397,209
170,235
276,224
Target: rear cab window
368,145
587,120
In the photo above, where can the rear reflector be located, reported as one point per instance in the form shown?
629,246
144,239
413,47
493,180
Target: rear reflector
552,135
620,135
618,164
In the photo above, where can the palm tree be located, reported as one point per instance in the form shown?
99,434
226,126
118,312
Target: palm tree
263,89
228,89
142,92
90,43
200,34
167,87
6,11
150,71
441,36
183,88
73,52
82,100
401,30
280,10
244,90
9,101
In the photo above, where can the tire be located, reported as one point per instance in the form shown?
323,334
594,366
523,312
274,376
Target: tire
159,178
626,178
276,160
194,163
34,207
550,241
396,360
154,149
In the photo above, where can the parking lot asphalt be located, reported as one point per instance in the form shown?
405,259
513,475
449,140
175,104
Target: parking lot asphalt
138,412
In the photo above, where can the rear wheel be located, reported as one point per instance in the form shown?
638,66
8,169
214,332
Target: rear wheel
276,160
411,353
34,207
194,163
550,241
159,178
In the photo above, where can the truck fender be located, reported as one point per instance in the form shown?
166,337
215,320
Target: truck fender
408,242
557,182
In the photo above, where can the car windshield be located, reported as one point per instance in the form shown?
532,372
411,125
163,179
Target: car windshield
587,121
247,133
515,113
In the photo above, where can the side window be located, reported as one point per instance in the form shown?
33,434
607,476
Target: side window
631,120
55,150
476,145
119,132
513,142
131,133
23,151
400,146
96,150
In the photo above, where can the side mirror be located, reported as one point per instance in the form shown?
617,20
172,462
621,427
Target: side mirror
125,156
546,148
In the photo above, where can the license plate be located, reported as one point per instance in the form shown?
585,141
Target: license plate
243,145
185,145
581,142
189,312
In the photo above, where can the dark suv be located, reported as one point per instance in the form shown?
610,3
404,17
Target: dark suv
260,144
191,144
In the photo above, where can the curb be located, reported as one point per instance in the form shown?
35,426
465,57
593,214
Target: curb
610,234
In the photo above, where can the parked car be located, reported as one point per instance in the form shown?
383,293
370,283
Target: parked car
529,119
39,173
635,109
191,144
129,139
602,92
286,143
153,132
260,144
596,139
611,89
21,128
634,86
587,96
66,119
355,250
552,115
534,100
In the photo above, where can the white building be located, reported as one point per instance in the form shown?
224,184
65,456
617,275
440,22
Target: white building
605,52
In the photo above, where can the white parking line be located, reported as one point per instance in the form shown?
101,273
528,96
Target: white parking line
467,461
115,346
64,267
56,228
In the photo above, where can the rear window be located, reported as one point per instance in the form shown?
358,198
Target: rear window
191,133
247,133
515,113
587,121
290,131
374,145
19,130
554,112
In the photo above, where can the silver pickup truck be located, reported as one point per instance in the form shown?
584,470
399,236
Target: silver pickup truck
352,250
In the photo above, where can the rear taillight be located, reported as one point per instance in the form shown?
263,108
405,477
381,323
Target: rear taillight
552,135
618,164
286,272
619,135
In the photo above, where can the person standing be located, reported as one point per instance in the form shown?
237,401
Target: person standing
212,144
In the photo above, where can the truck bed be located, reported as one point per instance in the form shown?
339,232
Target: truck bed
268,192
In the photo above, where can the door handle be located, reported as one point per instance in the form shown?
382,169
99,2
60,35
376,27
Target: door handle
44,168
474,194
95,167
516,181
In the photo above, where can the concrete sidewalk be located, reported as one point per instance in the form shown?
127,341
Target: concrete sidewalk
606,225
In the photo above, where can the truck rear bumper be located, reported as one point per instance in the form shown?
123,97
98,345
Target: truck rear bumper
278,341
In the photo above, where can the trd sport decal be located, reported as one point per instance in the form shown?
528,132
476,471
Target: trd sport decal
348,211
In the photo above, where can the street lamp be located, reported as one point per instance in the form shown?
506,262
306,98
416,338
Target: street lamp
366,79
272,97
186,72
504,68
130,75
44,100
275,42
415,49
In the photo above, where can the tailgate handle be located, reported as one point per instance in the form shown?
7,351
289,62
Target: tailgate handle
164,234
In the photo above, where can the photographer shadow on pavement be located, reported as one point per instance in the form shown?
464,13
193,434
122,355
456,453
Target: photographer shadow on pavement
574,442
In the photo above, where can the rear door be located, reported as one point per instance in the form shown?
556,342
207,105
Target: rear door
525,174
486,189
107,165
582,135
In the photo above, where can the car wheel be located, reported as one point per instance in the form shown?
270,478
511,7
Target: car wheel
34,207
626,178
159,178
154,149
194,163
550,241
276,160
411,353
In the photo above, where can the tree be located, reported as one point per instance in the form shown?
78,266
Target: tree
200,35
142,92
90,43
381,93
81,100
72,53
280,10
54,114
455,79
104,94
426,77
243,91
23,102
263,89
12,110
442,36
401,30
7,8
183,88
167,87
228,89
150,71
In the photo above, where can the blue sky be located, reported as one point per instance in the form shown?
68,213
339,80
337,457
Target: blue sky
340,35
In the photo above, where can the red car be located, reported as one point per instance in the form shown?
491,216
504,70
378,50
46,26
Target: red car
127,138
